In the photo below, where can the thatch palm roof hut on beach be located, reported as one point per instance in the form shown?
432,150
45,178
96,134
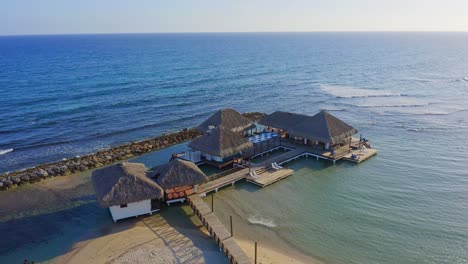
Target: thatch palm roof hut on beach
126,190
230,119
178,178
221,144
322,127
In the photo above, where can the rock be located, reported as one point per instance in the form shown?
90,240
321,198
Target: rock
7,183
16,180
64,170
56,170
25,177
82,168
42,173
34,177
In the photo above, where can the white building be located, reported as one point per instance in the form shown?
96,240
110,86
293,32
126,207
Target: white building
126,190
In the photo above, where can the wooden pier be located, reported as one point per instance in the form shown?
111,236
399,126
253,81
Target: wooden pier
217,231
222,182
344,152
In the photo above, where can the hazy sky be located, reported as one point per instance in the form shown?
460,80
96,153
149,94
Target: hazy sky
114,16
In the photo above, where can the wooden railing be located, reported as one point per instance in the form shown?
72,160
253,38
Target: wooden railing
224,173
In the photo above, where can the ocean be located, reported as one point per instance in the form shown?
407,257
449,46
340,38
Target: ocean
68,95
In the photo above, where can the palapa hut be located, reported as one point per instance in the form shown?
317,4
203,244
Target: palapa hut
126,190
179,178
322,129
230,119
220,146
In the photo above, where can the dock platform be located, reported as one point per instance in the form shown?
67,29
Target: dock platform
270,176
218,232
361,155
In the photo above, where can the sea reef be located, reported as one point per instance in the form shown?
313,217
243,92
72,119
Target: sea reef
94,160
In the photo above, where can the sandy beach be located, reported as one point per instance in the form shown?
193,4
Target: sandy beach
147,240
174,235
153,240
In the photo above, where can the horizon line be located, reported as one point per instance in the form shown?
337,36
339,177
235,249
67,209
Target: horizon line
238,32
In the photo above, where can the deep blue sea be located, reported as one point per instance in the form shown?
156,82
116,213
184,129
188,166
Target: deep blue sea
68,95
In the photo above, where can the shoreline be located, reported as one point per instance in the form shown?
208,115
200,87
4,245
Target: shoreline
267,254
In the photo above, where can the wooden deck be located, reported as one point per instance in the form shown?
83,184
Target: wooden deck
222,182
362,155
300,150
218,232
270,176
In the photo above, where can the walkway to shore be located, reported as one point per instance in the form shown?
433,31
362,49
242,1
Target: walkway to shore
218,232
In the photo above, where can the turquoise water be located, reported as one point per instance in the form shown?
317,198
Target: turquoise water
380,211
406,92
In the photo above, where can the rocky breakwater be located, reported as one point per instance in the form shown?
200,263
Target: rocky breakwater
254,116
95,160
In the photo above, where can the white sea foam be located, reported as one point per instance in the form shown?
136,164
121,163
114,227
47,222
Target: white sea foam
259,220
392,105
340,91
5,151
465,79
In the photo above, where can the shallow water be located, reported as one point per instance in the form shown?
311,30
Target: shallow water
405,91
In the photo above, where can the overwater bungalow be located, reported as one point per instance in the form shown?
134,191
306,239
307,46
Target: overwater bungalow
323,130
126,190
230,119
179,178
220,147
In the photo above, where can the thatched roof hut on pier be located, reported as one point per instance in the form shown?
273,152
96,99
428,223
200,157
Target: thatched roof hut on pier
322,128
179,178
230,119
220,146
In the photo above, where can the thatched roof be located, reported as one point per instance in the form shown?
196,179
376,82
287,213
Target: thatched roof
283,120
177,173
322,127
124,183
222,142
229,118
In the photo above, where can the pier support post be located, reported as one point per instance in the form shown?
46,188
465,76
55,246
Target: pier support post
255,252
212,202
230,218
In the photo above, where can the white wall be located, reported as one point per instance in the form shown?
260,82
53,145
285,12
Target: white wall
132,209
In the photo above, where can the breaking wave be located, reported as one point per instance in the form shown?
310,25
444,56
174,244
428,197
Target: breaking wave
339,91
5,151
392,105
465,79
258,220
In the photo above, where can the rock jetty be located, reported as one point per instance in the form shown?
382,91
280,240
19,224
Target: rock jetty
95,160
102,158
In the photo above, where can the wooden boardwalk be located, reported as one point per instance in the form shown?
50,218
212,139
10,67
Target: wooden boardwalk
217,231
299,150
221,182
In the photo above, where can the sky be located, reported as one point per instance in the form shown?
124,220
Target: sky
23,17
